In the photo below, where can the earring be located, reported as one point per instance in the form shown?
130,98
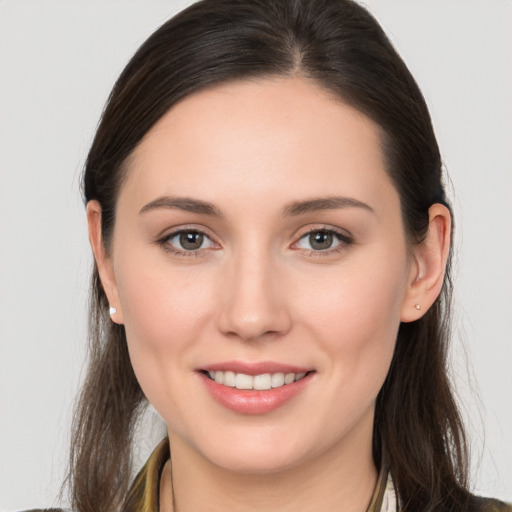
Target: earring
417,306
112,311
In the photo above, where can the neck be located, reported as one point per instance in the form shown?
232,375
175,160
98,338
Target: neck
342,478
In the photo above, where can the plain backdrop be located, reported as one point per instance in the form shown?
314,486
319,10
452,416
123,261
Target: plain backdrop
58,61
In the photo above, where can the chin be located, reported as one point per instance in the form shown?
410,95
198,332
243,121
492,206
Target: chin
258,454
260,464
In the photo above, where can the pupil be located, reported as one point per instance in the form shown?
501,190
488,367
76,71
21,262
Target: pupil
191,240
320,240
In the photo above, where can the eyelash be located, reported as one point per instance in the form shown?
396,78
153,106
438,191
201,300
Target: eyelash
344,239
166,246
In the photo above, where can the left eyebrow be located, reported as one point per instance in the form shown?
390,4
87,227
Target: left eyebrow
323,203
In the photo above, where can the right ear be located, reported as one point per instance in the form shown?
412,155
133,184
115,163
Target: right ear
103,260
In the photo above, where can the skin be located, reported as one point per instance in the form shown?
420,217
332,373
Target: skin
256,290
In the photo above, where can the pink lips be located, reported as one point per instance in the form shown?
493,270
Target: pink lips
254,368
252,401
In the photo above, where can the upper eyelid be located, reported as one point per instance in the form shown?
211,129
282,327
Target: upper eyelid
338,231
164,242
170,232
299,234
346,239
167,235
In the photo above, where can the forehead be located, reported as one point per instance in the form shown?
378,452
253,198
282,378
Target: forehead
272,139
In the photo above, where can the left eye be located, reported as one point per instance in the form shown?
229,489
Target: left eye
189,241
320,240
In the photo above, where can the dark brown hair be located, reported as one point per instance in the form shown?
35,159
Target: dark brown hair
338,45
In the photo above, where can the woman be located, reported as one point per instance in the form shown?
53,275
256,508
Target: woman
272,245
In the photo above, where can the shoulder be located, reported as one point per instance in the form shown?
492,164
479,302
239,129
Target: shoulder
491,505
46,510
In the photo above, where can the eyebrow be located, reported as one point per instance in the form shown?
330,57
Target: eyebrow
294,208
323,203
182,203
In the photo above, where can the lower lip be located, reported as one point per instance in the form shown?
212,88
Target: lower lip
251,401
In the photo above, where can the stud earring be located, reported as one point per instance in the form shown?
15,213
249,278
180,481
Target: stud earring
417,306
112,311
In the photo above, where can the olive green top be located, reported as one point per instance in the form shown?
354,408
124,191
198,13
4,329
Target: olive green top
144,493
143,496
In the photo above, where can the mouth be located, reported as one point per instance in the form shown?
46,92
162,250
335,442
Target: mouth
256,388
260,382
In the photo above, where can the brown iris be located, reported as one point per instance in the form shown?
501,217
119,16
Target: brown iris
321,240
191,240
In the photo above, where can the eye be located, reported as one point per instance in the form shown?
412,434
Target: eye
322,240
187,241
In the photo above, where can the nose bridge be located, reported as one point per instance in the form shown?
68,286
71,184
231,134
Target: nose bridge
252,304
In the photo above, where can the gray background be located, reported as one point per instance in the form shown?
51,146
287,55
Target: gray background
58,61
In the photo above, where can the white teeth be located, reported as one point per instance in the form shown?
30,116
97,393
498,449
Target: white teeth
229,379
289,378
242,381
263,381
277,380
259,382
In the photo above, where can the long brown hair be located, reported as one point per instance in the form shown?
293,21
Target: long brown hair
341,47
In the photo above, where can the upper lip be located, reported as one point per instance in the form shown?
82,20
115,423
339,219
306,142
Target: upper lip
255,368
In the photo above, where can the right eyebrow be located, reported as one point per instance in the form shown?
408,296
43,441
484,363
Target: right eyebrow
183,203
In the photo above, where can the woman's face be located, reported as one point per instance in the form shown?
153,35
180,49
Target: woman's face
258,234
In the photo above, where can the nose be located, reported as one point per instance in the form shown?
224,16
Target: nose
254,303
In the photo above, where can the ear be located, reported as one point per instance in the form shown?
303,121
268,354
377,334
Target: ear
103,260
427,271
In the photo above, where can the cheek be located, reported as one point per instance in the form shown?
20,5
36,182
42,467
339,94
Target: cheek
355,316
366,296
164,311
355,324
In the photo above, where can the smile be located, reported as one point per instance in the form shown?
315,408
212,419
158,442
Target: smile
260,382
255,388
